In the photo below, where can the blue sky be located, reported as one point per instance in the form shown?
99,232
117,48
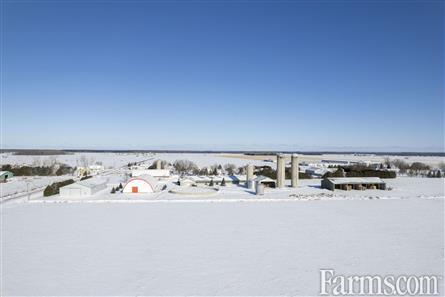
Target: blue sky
294,75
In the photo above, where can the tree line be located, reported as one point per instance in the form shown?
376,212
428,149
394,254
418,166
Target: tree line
56,169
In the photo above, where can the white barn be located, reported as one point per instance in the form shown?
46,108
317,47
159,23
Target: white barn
83,188
142,184
160,173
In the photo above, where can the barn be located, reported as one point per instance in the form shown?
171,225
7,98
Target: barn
141,184
353,183
83,188
158,173
4,175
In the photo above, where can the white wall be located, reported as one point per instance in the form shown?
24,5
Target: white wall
143,186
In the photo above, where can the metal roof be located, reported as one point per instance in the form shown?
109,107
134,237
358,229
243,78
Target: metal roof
262,178
355,180
88,183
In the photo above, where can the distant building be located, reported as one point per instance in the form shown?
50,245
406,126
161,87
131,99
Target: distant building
316,172
267,182
217,180
142,184
83,188
353,183
5,175
158,173
90,170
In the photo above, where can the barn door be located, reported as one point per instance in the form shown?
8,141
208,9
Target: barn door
134,189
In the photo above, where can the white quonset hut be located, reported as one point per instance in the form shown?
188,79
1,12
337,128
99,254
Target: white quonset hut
142,184
83,188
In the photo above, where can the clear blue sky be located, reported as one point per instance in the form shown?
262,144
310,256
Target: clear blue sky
229,75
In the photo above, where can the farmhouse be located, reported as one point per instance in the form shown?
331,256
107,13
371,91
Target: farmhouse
4,175
356,183
87,187
142,184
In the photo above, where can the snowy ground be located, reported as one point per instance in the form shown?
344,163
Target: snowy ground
161,244
214,248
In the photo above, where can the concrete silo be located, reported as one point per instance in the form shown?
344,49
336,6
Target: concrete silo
294,170
281,170
249,176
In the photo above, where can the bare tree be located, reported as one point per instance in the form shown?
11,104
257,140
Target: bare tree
184,166
84,161
230,169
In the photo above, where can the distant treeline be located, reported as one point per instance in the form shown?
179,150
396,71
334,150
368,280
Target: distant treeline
38,170
39,152
272,173
360,171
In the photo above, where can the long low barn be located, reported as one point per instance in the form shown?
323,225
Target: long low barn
353,183
217,180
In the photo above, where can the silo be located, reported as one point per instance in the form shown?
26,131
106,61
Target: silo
281,167
294,170
249,176
158,164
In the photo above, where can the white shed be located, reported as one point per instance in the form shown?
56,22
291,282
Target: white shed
141,184
83,188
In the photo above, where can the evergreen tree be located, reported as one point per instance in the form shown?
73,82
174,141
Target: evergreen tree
438,174
211,183
120,186
113,190
223,182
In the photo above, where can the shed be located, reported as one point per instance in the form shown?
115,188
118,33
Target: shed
142,184
267,182
356,183
4,175
87,187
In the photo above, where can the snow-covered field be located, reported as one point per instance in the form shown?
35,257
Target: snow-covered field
214,248
230,243
114,160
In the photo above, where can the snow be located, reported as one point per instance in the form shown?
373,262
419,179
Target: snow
108,160
214,248
229,243
20,184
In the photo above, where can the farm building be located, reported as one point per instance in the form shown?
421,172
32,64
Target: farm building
217,180
5,175
353,183
142,184
267,182
158,173
90,170
87,187
186,182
